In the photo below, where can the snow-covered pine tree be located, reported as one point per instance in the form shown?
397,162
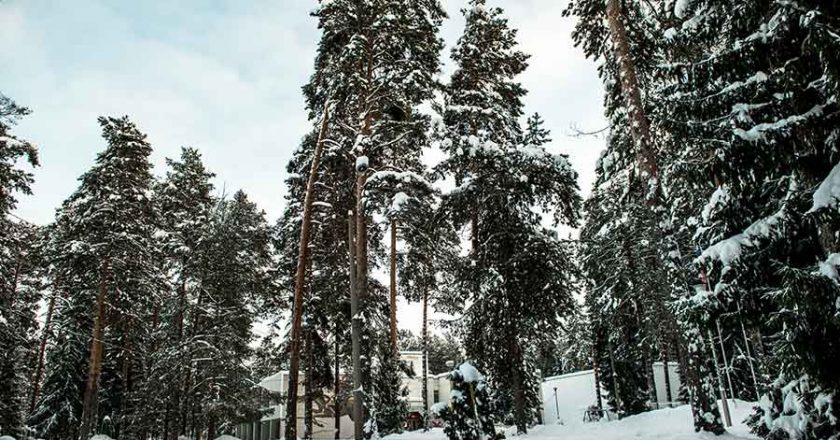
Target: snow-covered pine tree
753,101
235,274
185,202
376,62
571,347
106,259
23,288
502,175
18,272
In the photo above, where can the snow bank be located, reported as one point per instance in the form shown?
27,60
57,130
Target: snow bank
670,424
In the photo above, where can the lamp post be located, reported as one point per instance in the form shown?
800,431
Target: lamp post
556,405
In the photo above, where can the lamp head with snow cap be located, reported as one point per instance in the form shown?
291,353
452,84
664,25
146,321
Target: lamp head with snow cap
362,164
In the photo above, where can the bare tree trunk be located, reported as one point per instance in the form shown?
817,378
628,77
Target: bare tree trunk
211,430
597,377
518,391
616,394
308,392
651,389
42,349
337,386
639,126
300,280
360,281
356,336
394,286
361,238
89,405
425,337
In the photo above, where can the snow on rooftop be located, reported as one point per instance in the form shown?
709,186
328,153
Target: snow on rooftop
273,383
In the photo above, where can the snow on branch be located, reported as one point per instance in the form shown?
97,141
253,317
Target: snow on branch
729,250
827,194
401,176
828,268
757,132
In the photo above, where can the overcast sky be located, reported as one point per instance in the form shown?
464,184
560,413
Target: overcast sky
225,77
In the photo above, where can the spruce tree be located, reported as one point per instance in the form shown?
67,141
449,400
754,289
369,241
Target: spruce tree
185,201
752,98
235,274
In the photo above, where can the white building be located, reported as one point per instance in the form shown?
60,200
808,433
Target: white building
270,427
566,400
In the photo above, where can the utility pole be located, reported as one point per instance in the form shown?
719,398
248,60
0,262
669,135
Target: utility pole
747,348
725,363
721,386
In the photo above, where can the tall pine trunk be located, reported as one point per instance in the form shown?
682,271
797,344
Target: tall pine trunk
337,385
356,334
639,125
394,286
300,280
360,281
308,417
597,376
90,402
519,412
425,337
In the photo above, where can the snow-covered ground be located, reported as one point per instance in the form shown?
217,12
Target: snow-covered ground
669,423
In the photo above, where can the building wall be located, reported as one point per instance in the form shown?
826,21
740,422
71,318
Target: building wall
566,398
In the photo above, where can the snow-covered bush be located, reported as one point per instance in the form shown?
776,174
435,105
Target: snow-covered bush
470,413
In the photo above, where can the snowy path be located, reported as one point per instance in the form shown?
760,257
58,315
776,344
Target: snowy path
670,424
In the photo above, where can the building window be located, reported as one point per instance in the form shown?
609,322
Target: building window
436,396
